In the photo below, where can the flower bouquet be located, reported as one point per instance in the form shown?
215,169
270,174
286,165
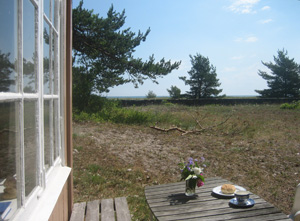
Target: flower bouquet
192,173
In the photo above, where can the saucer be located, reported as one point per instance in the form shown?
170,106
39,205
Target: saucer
248,203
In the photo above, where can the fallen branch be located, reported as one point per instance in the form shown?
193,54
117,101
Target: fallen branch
167,130
184,132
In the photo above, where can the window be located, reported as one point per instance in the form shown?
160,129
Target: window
31,113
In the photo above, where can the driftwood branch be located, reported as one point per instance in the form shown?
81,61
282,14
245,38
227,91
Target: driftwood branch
184,132
169,129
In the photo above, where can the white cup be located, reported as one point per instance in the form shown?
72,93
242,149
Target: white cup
242,196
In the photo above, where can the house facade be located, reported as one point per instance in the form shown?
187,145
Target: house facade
36,110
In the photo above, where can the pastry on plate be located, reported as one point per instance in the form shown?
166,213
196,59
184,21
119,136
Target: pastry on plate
228,189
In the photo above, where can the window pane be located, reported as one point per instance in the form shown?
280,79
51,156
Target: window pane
8,152
46,59
29,75
53,12
47,134
47,7
30,146
8,46
53,69
56,131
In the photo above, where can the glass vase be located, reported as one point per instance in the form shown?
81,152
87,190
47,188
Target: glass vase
190,187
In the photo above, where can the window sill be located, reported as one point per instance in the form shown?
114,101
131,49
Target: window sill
46,201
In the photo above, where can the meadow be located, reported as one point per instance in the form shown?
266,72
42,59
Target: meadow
121,150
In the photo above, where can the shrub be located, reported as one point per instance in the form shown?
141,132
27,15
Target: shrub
174,92
150,95
112,112
293,105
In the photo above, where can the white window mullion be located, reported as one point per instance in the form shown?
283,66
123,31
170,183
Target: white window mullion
35,3
50,24
40,89
50,97
62,50
57,77
6,96
22,151
20,160
51,77
51,133
37,69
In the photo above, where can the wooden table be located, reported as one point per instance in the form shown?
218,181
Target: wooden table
168,202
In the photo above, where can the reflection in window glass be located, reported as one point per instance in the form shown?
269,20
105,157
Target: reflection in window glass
53,12
54,63
47,134
55,126
8,151
46,59
30,146
8,46
29,75
47,7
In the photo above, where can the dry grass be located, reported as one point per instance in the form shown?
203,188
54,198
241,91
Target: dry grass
258,148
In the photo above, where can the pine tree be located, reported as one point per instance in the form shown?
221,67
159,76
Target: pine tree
6,70
103,54
174,92
203,78
284,79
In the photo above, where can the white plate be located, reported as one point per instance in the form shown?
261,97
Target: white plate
217,190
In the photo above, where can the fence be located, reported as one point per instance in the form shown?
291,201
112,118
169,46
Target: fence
207,101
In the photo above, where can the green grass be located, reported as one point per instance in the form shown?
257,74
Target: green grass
100,180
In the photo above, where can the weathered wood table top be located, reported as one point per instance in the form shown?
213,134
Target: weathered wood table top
168,202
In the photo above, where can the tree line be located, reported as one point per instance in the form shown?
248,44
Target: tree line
103,57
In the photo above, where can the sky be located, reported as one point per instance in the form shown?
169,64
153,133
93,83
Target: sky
236,36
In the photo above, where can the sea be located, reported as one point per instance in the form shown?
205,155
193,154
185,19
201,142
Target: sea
166,97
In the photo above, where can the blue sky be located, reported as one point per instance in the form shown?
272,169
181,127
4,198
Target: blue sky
236,35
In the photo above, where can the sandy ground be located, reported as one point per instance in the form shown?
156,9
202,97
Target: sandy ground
243,162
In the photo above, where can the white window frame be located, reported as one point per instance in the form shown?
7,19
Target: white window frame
38,205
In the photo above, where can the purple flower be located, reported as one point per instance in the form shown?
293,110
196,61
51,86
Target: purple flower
202,159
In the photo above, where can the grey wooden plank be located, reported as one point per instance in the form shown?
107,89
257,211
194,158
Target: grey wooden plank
217,217
180,188
220,214
217,208
203,204
180,198
107,210
178,192
170,185
122,210
92,211
268,217
271,217
78,212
